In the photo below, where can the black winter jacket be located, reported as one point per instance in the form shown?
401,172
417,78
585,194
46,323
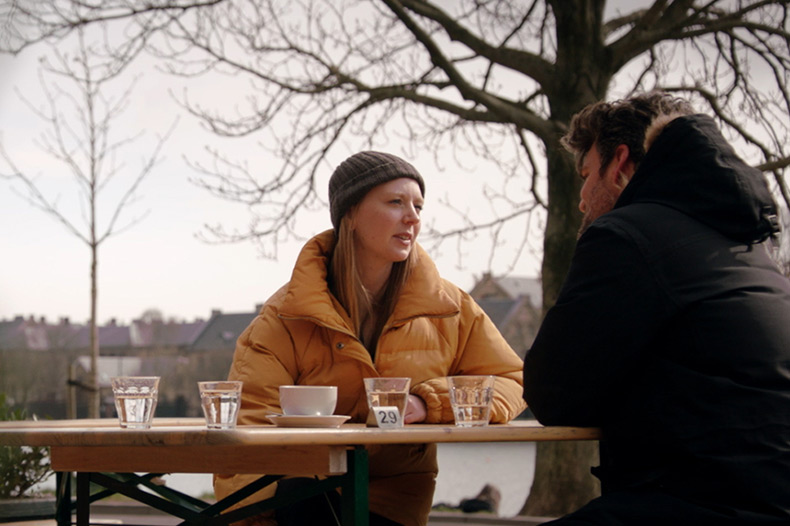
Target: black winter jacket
672,333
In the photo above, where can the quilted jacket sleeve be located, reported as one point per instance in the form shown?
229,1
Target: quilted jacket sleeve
482,350
262,369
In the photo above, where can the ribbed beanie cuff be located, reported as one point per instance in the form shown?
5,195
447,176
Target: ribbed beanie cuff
358,174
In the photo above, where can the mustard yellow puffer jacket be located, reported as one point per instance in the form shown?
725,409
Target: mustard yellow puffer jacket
303,336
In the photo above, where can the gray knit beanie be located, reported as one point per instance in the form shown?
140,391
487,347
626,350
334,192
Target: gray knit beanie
358,174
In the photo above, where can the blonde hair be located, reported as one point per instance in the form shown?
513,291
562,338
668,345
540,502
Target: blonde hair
346,284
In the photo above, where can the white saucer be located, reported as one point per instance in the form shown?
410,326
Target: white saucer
307,420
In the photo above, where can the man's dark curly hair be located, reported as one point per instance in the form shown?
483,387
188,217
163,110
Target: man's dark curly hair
609,124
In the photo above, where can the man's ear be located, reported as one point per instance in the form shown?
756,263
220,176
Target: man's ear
624,167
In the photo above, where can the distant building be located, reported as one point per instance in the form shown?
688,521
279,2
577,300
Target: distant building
24,333
161,334
45,366
141,336
514,305
222,330
511,287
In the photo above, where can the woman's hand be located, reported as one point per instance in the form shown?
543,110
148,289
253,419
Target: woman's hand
416,411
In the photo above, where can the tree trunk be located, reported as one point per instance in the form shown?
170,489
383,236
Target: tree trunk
562,221
95,398
563,481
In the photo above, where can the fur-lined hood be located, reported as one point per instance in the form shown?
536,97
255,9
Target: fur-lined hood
690,167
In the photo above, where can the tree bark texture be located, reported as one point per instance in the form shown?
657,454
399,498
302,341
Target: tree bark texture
563,481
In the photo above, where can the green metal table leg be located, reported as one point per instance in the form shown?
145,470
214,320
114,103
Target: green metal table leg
83,499
63,498
355,489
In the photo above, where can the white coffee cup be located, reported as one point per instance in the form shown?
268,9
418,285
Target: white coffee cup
308,399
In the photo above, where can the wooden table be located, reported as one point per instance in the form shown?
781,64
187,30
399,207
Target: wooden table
94,449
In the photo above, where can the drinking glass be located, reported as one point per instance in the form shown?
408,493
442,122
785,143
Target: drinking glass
387,392
470,397
220,401
135,400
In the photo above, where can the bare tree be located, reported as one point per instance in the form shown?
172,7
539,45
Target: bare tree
781,246
80,116
489,79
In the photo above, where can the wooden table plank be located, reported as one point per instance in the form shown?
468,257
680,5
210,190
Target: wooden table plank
291,460
187,446
192,432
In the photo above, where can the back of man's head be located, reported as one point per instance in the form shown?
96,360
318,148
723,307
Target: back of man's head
610,124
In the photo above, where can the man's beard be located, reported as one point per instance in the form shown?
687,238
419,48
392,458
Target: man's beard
604,203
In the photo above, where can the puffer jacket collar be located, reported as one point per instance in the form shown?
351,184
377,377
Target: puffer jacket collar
308,295
692,168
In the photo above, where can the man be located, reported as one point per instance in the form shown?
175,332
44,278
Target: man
672,330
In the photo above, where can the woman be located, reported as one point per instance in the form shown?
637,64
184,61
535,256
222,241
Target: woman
365,300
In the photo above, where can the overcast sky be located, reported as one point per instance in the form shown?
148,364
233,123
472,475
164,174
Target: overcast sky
158,263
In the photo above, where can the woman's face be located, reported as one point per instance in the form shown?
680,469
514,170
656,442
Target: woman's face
386,222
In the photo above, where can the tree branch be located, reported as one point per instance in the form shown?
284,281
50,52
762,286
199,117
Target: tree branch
526,63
